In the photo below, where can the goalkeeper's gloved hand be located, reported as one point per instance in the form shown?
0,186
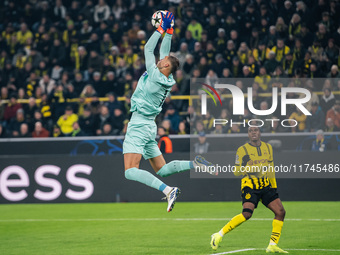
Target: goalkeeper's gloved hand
165,25
245,160
171,29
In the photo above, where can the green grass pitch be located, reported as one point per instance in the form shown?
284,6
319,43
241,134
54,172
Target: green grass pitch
146,228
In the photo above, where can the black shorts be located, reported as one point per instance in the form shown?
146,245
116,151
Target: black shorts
266,195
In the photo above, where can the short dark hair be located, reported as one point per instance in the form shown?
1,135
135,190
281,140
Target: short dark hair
174,64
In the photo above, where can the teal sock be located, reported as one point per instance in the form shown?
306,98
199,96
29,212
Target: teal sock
175,166
144,177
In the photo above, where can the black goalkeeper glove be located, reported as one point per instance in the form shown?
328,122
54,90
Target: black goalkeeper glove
245,160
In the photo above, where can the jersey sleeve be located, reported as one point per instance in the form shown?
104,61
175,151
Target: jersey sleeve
238,161
271,174
165,46
150,61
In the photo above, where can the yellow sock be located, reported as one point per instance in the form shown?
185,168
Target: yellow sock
233,223
276,233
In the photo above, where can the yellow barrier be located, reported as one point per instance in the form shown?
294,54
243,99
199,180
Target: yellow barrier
190,98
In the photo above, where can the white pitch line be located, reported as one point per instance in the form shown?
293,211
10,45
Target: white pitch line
258,249
157,219
327,250
236,251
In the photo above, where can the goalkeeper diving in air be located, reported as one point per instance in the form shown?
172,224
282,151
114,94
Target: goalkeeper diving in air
146,103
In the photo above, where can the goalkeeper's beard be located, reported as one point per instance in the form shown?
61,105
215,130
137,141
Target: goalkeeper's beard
161,67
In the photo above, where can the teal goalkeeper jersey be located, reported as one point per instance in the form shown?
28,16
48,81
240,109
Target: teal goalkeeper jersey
153,86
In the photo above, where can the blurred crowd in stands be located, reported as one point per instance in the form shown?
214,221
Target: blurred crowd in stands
58,58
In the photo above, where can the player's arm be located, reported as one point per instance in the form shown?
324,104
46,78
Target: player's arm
240,154
152,42
166,45
149,49
271,174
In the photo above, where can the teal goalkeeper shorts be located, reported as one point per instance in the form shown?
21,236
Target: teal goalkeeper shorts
141,136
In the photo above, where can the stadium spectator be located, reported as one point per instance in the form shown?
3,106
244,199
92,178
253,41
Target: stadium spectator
287,11
294,28
14,124
219,64
202,146
56,72
57,53
12,107
300,118
101,119
314,71
195,28
47,84
334,73
182,129
181,54
316,50
24,131
166,124
101,11
330,127
243,53
208,121
199,127
332,52
316,120
24,34
266,126
188,66
95,62
3,131
334,114
86,122
254,39
230,51
4,93
37,116
327,100
164,143
65,122
314,97
319,144
59,11
77,130
39,131
236,67
263,79
106,130
271,63
88,91
117,121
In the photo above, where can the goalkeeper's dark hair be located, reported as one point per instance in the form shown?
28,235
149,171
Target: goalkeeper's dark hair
174,64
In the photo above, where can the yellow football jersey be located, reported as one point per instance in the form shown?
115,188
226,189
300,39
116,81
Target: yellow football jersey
259,171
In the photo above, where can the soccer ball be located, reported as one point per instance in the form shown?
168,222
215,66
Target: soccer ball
157,19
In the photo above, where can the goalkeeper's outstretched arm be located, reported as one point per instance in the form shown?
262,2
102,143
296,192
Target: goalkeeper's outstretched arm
165,46
152,42
149,49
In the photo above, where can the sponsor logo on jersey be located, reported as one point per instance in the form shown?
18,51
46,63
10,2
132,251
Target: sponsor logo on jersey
256,162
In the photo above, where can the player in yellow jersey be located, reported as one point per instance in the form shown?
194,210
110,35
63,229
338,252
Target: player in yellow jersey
254,161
